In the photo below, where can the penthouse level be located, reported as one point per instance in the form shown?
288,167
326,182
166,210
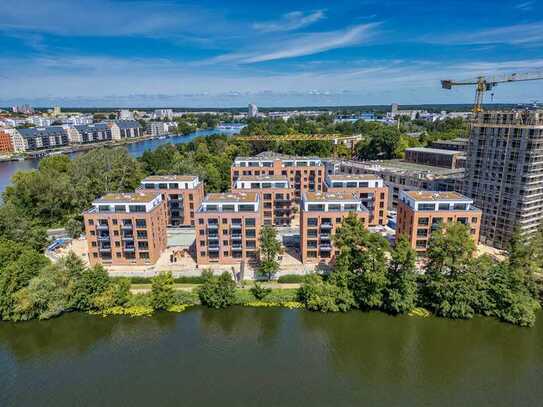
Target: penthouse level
228,228
369,188
275,194
305,174
127,228
182,193
321,214
422,212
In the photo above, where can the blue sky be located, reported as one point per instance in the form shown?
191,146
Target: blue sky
274,53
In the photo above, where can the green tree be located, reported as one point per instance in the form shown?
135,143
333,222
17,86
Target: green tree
217,292
319,295
116,294
260,292
73,228
162,291
401,290
269,249
86,283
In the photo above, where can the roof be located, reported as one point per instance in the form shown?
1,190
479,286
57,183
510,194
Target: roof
41,131
127,124
434,150
330,197
354,177
231,197
402,167
436,196
271,155
262,178
125,197
167,178
89,128
459,140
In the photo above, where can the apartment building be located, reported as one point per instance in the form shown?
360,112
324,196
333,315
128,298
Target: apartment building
6,146
321,214
228,228
400,175
436,157
89,133
421,212
182,194
368,187
39,138
305,174
126,229
122,129
504,173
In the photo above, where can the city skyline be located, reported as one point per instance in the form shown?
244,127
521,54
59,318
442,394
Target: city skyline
208,54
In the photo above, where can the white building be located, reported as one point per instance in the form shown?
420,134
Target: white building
126,114
253,110
163,114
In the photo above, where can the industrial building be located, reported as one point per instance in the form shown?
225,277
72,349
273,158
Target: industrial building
435,157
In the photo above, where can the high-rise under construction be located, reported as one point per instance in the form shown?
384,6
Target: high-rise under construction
504,173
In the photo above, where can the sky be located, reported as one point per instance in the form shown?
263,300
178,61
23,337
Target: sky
208,53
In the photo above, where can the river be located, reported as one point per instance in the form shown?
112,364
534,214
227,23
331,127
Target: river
275,357
8,168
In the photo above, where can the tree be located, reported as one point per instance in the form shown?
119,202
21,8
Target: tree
319,295
269,249
401,289
74,228
116,294
17,227
87,283
260,292
162,291
217,292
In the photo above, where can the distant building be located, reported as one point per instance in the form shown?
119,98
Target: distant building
126,229
228,228
39,121
89,133
253,111
421,212
78,120
163,114
457,144
17,140
435,157
276,196
126,114
26,109
400,175
320,214
6,145
183,195
123,129
57,110
39,138
161,128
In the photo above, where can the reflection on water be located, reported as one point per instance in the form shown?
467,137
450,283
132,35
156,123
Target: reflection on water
252,356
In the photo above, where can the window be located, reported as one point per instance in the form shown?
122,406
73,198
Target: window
136,208
200,221
144,255
426,207
91,222
473,220
250,222
224,221
443,206
141,223
312,221
142,234
250,233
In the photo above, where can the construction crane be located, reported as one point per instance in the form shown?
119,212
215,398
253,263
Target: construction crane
484,84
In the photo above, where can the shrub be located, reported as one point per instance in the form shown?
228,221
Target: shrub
217,292
259,291
162,292
318,295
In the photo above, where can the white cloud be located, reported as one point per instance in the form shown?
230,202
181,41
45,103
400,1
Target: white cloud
290,21
303,44
526,6
518,34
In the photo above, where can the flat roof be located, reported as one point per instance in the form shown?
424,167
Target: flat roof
436,196
231,197
262,178
434,150
401,166
355,177
179,178
330,196
270,156
135,197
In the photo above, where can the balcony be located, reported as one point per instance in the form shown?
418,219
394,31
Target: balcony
103,238
102,226
237,247
213,226
126,226
105,249
128,237
213,248
326,248
213,238
129,249
326,225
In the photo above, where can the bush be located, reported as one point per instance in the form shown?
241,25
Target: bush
291,279
177,280
217,292
260,292
318,295
162,292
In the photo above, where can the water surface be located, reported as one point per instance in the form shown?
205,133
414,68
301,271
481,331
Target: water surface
277,357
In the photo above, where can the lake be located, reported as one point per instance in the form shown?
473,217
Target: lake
8,168
277,357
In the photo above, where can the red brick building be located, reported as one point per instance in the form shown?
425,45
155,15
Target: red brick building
228,228
275,194
305,174
321,213
182,193
6,145
368,187
126,229
421,212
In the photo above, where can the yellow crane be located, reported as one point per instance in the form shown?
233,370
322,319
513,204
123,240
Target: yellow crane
484,84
